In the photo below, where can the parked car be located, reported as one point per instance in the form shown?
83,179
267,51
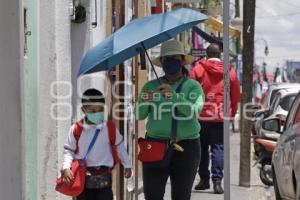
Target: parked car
280,106
273,89
268,98
286,156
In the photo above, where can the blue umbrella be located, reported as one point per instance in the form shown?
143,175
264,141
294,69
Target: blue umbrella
137,36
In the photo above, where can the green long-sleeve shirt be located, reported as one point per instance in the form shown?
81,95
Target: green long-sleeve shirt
189,104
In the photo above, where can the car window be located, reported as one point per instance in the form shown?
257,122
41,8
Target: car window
287,102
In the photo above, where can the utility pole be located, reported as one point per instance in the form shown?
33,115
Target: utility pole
119,9
248,55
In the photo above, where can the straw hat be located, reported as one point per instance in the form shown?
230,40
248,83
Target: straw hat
172,47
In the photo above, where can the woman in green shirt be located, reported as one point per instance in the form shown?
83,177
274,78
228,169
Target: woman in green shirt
156,104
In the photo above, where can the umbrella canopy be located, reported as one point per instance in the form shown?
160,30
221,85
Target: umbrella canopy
137,35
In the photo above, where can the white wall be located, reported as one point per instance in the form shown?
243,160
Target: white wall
11,134
54,92
63,73
47,132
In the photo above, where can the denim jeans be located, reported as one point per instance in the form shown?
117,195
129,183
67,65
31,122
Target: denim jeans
211,135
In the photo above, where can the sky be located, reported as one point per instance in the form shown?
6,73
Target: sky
277,22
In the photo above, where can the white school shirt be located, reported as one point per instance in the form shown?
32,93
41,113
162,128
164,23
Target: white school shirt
100,155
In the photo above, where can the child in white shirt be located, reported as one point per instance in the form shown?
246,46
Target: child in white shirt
100,159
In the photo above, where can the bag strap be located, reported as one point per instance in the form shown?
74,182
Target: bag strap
97,131
111,134
174,120
77,133
112,138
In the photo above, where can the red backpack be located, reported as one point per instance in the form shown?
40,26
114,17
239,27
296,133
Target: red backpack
111,134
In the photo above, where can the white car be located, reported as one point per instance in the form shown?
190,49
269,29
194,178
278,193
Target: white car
268,98
286,156
273,89
279,108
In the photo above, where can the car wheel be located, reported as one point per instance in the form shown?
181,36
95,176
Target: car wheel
276,190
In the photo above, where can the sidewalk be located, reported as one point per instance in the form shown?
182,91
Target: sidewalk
257,191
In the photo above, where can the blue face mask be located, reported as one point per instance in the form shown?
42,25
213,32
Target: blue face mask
171,66
96,117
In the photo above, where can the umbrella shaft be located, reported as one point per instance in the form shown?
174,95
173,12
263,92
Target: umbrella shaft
151,63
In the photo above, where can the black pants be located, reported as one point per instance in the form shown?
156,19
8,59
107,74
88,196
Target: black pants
182,172
96,194
211,135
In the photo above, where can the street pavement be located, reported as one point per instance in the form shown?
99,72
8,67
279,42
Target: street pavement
257,191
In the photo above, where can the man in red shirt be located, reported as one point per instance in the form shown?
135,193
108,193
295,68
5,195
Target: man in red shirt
210,74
